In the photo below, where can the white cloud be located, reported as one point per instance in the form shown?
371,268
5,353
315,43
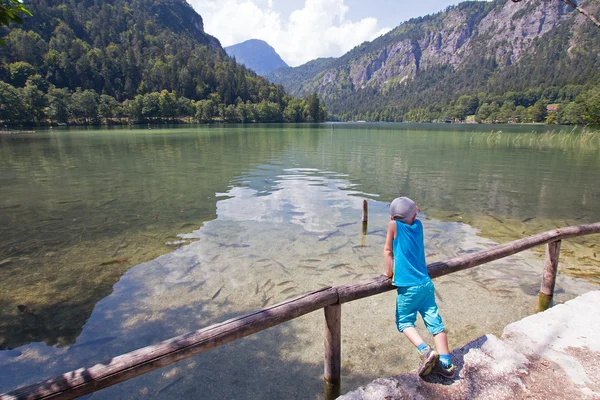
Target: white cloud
319,29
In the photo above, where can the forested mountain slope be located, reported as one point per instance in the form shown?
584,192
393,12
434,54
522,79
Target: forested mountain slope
70,54
487,52
257,55
294,79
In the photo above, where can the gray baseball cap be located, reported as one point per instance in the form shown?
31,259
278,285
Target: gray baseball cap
404,209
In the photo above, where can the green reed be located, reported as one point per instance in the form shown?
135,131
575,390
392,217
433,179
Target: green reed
584,140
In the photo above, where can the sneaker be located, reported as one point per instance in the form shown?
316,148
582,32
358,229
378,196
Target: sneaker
429,358
439,369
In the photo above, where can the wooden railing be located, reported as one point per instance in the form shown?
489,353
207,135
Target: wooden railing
87,380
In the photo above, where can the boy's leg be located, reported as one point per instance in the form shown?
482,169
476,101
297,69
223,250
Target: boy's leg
406,315
441,342
445,366
413,335
428,357
433,322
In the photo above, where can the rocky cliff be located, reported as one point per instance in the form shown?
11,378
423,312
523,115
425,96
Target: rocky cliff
496,34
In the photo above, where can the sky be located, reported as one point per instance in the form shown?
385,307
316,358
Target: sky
302,30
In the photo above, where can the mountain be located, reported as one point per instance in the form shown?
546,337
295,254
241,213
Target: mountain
118,47
87,60
256,55
294,78
477,49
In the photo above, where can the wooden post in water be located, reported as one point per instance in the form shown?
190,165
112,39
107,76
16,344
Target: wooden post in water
365,216
549,275
333,351
365,220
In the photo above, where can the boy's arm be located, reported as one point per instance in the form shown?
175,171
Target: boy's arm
388,252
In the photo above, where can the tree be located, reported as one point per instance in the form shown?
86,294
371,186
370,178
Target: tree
26,46
312,101
293,111
242,110
538,111
507,112
520,114
485,112
34,102
185,107
19,72
465,105
58,104
151,106
268,112
9,12
231,114
591,106
133,108
168,104
11,106
205,110
108,107
38,81
85,104
251,112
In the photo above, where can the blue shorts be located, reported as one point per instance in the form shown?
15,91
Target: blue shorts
420,298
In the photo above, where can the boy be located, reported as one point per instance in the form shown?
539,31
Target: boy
404,254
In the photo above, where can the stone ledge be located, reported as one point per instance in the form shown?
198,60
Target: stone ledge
554,354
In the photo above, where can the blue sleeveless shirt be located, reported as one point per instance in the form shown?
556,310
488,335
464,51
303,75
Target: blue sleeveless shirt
410,268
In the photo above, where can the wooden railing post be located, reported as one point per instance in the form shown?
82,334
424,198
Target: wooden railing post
333,351
549,275
365,223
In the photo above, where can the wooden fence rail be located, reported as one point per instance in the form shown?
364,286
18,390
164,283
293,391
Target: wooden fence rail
87,380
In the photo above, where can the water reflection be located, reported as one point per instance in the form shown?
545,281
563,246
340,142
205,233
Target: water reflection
304,196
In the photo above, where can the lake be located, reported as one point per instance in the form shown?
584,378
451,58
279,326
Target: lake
113,239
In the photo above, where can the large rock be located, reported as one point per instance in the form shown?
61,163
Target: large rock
550,355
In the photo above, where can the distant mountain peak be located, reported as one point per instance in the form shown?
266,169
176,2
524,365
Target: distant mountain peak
254,42
257,55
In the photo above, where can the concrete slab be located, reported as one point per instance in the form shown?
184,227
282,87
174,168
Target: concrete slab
554,354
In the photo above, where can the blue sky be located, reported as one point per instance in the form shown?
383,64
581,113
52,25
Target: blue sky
302,30
388,13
